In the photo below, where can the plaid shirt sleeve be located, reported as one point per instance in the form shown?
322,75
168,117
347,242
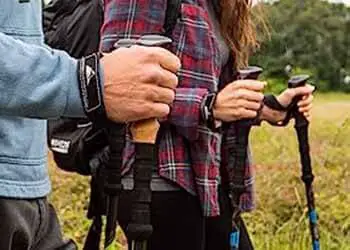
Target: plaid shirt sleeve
186,111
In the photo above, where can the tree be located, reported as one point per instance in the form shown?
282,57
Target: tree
309,34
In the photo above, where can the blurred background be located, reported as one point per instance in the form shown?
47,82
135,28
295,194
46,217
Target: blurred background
306,36
310,36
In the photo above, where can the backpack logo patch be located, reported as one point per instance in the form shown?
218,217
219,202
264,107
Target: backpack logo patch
60,146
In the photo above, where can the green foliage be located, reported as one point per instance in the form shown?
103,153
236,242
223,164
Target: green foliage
309,34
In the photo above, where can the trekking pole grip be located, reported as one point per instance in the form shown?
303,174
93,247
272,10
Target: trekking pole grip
144,135
251,73
145,131
294,82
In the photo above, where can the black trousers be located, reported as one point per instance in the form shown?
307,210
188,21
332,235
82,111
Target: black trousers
30,225
178,223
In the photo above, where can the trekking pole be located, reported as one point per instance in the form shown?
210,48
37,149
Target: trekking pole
113,186
144,134
301,126
240,153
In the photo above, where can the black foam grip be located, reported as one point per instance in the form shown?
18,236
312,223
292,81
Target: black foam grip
140,228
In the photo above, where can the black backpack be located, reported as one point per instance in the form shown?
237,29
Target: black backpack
74,26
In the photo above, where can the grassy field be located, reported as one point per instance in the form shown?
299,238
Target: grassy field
280,221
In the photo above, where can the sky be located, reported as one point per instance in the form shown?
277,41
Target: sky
344,1
339,1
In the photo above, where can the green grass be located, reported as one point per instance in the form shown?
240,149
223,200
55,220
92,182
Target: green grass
279,221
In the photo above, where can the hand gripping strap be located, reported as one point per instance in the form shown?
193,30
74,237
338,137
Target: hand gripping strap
272,102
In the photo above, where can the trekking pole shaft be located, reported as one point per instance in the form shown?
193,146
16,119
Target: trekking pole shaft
138,245
240,151
308,177
113,185
301,127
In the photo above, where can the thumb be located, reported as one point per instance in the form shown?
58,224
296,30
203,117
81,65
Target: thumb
305,90
286,97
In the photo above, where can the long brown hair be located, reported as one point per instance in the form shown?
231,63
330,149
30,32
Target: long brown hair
238,28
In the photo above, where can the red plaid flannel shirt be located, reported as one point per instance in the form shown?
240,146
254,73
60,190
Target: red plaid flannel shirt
189,152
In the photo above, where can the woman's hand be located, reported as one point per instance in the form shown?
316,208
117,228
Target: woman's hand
240,99
285,99
305,104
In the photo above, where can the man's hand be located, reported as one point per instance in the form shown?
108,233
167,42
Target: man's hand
240,99
139,83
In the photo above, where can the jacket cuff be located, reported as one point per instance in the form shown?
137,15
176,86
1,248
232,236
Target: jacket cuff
91,88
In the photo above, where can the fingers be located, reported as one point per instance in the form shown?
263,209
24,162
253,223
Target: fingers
300,91
145,111
305,105
139,83
305,108
286,97
231,115
243,113
168,80
249,105
253,85
159,110
307,116
306,100
159,94
247,113
248,95
163,67
165,58
239,100
157,76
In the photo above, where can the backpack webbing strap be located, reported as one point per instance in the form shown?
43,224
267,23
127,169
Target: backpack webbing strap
93,238
173,11
113,186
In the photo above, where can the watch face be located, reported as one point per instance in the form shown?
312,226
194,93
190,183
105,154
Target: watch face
206,113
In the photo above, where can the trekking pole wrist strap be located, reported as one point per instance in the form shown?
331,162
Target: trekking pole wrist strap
271,102
90,87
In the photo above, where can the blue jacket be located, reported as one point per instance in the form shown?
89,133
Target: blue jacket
37,83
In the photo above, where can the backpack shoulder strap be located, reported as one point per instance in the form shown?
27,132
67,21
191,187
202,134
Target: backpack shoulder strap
173,11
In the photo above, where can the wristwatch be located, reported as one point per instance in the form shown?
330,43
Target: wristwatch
207,110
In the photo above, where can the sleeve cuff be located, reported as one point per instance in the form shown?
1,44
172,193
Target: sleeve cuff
74,107
186,111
